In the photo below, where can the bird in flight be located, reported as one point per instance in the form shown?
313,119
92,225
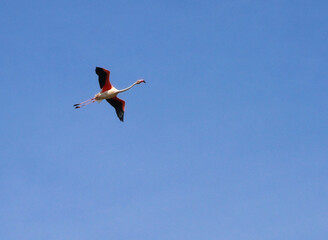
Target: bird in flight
109,93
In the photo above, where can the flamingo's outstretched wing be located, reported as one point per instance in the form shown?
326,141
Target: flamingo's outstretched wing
119,106
103,77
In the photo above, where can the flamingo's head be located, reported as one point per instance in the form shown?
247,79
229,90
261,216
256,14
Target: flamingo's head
141,81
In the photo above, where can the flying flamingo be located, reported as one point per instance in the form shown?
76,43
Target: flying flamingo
108,92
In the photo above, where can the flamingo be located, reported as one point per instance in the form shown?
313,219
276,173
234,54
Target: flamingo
109,93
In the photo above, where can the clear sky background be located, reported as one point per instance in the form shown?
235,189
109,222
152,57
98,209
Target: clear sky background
227,140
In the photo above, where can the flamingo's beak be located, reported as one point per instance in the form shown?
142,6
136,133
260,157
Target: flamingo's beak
141,81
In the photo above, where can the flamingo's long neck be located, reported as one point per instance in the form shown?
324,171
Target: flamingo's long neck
125,89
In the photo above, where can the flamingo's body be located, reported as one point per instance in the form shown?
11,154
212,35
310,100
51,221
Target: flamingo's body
109,93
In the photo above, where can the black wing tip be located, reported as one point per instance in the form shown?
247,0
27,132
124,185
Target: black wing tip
99,70
118,108
121,116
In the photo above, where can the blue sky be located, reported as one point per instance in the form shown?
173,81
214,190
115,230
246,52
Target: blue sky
227,140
